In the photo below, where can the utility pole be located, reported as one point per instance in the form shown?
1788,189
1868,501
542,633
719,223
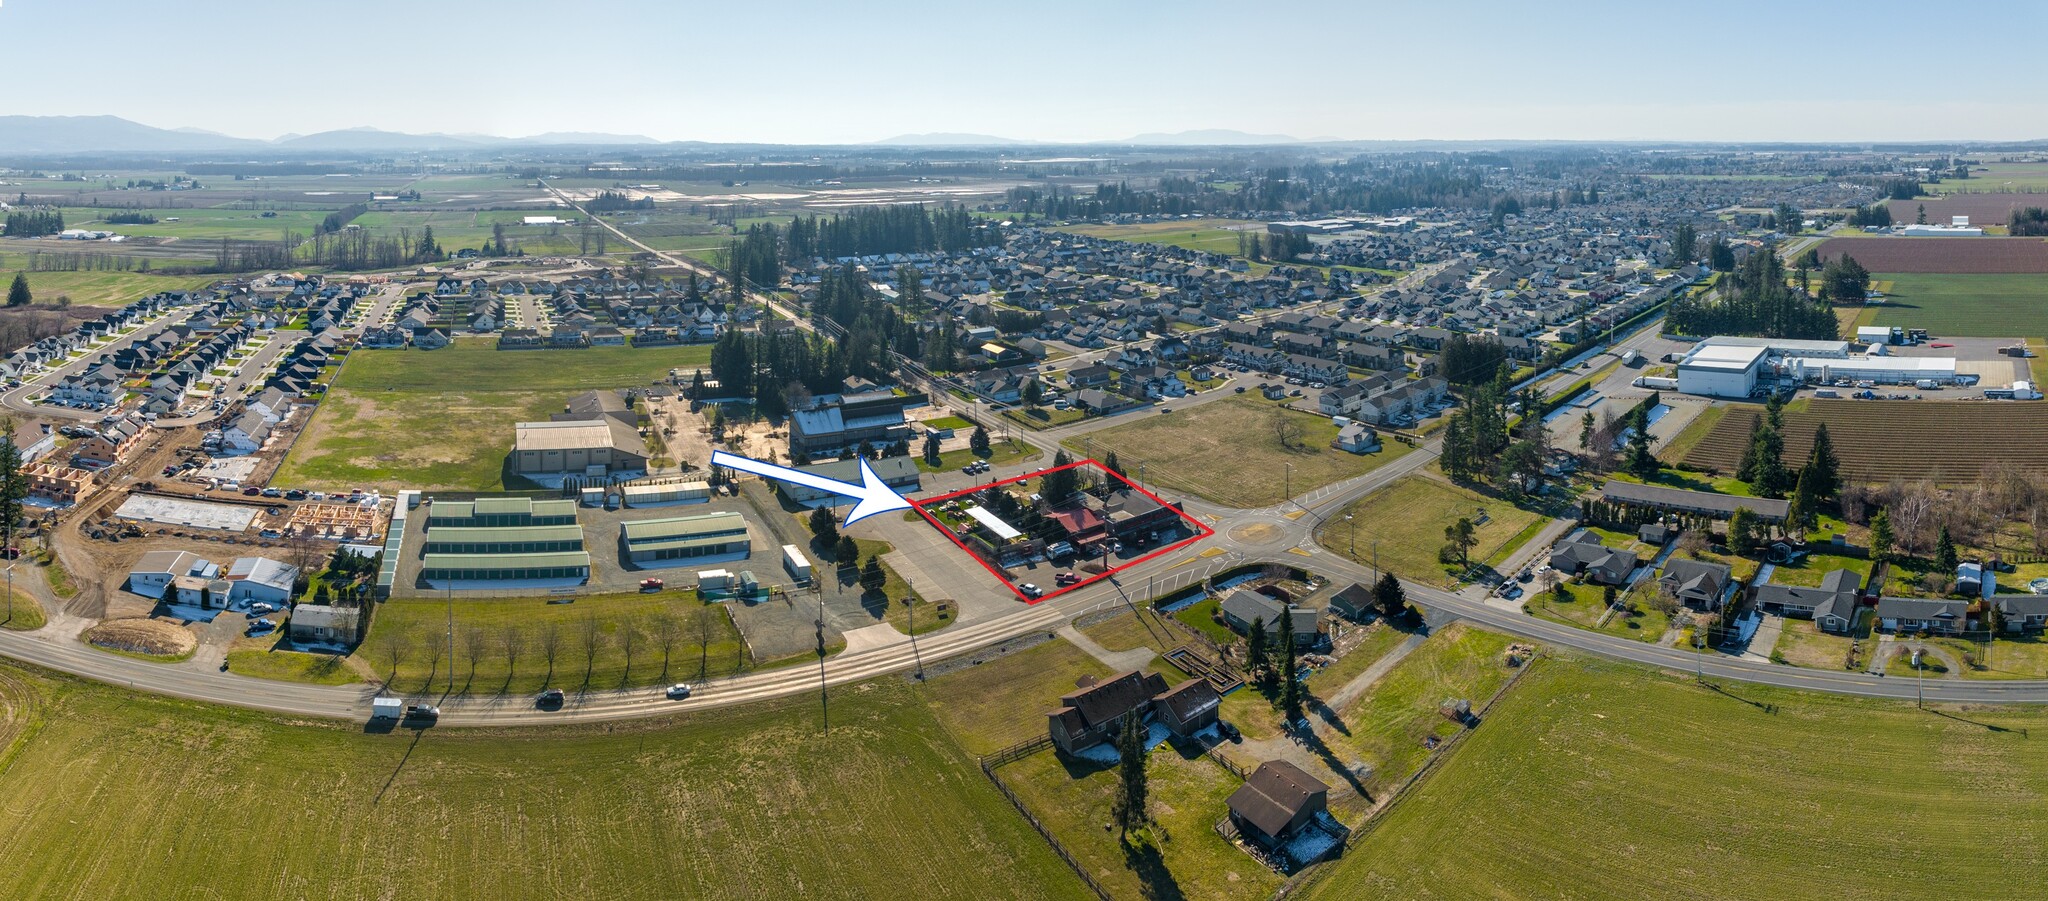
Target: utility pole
911,601
1919,681
1287,489
451,639
824,700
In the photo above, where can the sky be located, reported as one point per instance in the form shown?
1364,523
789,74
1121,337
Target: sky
807,71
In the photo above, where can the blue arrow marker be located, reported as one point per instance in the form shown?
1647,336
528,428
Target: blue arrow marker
873,494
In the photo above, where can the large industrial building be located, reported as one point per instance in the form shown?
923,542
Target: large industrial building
498,542
899,473
594,435
874,417
1739,367
652,542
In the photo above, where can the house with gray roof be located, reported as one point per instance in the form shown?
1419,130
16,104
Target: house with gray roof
1941,616
1832,606
1698,584
1582,552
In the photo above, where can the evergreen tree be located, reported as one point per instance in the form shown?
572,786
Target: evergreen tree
13,489
931,448
1460,538
1881,537
1391,597
1059,484
1685,242
825,526
1256,650
1803,513
1290,687
848,551
872,578
1129,808
18,294
1746,470
1034,393
1823,466
979,441
1744,531
1587,425
1945,559
1639,461
1112,464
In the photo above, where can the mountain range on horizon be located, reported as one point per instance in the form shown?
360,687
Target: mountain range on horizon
27,135
113,134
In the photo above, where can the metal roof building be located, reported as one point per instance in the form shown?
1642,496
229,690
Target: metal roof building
685,538
464,570
504,539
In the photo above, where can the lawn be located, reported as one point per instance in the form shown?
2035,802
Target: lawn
1000,453
1043,417
999,703
1388,728
1812,568
1230,451
1660,807
1991,305
745,803
443,419
1801,643
418,627
26,615
1585,605
1402,526
1201,615
290,666
1254,712
1144,628
1187,797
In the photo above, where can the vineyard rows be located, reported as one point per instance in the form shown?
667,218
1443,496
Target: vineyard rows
1879,441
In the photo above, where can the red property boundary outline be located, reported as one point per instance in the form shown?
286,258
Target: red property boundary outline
1201,531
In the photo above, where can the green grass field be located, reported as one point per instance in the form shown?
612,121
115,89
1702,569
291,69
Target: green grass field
746,803
1677,792
1002,702
442,419
1208,235
1229,451
1404,524
419,625
1997,306
100,289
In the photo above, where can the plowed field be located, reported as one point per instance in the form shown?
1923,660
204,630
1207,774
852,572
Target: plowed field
1901,254
1983,209
1881,440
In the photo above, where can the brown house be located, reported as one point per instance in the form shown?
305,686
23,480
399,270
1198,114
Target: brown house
1188,708
1090,716
1274,803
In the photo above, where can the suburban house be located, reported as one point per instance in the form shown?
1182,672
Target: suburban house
1832,606
2023,612
322,624
1355,602
1698,584
1357,438
1275,802
1242,608
152,575
1581,552
246,435
1093,714
1942,616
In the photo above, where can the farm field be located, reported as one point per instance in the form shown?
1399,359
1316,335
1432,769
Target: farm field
1208,235
1983,209
1997,178
1227,451
1943,255
1404,523
1986,305
1878,440
442,419
998,703
99,289
1685,812
746,803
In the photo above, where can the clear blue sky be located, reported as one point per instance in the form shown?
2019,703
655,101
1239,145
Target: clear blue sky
860,70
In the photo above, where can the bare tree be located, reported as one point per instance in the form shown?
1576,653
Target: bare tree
512,642
590,634
392,645
705,620
1910,507
1286,430
667,632
436,644
628,638
551,645
303,553
475,641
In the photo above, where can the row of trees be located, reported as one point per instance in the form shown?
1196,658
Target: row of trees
33,224
1755,299
1471,359
1482,443
613,201
551,643
2030,222
779,370
905,228
338,219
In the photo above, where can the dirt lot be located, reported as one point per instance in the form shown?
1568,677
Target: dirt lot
1901,254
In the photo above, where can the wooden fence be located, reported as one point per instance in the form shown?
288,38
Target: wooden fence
1012,753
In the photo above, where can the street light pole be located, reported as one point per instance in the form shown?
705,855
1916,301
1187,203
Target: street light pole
1919,681
911,601
1287,488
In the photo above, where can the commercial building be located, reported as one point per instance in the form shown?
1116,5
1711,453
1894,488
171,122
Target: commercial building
1716,370
504,539
493,512
693,538
899,473
875,417
594,435
665,491
1734,367
502,570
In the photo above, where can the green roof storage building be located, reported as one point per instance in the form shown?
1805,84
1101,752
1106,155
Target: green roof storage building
692,538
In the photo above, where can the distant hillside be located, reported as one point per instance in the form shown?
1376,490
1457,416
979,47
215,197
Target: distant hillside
949,139
1208,137
73,134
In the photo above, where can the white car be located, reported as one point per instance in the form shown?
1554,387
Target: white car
678,691
1030,590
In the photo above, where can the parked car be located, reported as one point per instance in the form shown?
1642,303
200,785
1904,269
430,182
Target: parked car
678,691
550,698
1059,549
1030,590
273,492
1065,578
651,584
252,491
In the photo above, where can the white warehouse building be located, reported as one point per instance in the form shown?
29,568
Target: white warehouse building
1731,367
1881,369
1720,370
